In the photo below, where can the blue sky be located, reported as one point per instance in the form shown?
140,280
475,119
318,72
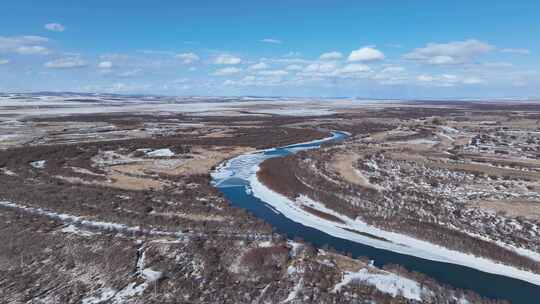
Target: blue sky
376,49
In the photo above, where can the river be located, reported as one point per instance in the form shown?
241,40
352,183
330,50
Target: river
232,179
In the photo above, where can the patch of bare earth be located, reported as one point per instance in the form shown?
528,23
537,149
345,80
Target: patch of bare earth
344,165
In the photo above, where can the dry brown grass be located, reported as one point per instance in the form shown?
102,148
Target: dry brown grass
512,208
343,164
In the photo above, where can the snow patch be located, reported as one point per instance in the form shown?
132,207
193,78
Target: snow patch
74,230
151,275
294,293
72,219
7,172
105,295
160,153
385,282
38,164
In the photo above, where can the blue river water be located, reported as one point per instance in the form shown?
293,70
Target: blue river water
485,284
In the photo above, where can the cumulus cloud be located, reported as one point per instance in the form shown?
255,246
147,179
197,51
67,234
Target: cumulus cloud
354,68
227,71
456,52
105,65
320,67
4,61
516,51
188,58
391,75
325,69
366,54
66,63
226,59
55,27
331,56
271,40
24,45
259,66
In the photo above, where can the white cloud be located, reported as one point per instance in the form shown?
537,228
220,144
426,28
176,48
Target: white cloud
293,67
354,68
55,27
366,54
24,45
259,66
255,81
227,71
441,60
21,40
32,50
333,69
498,65
130,73
271,40
273,73
66,63
4,61
455,52
227,59
119,87
320,67
393,70
188,58
473,80
105,65
516,51
331,56
391,75
448,80
425,78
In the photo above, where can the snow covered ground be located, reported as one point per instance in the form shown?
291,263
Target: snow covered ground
98,225
160,153
29,105
385,282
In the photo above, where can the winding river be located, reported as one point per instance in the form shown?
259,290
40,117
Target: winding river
232,178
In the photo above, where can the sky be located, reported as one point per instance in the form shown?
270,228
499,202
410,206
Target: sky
368,49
